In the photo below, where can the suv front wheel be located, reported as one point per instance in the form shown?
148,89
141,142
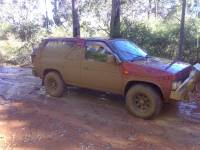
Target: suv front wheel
143,101
54,84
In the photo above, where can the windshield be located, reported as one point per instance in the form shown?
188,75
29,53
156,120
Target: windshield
128,51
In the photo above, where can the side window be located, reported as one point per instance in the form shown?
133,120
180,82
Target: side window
60,44
48,45
68,44
51,44
96,52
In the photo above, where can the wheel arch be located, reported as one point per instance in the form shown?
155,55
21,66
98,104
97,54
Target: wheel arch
50,70
153,85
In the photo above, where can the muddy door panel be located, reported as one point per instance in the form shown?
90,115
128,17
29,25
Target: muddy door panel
99,70
72,64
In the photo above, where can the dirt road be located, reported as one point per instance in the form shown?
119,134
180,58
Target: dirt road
86,120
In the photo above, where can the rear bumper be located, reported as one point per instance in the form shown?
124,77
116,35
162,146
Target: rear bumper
182,92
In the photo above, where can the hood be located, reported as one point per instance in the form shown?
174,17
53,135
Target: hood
165,65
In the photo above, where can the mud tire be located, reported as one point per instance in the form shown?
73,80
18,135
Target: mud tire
141,94
54,84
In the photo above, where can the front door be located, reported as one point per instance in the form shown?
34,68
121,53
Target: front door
98,71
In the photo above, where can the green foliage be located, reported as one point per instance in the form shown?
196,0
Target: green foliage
162,39
18,42
191,52
26,31
60,31
4,30
9,48
153,27
1,58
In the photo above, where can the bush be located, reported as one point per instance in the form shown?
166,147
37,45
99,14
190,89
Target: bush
1,58
162,40
5,29
26,31
17,47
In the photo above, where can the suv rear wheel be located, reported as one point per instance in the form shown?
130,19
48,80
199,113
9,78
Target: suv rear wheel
54,84
143,101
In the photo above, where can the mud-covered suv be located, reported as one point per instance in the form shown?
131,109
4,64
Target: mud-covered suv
113,65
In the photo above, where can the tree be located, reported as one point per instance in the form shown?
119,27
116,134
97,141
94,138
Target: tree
115,19
182,34
61,11
56,18
99,25
46,18
149,8
75,18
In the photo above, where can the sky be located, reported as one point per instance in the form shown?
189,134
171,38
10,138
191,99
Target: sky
88,17
42,7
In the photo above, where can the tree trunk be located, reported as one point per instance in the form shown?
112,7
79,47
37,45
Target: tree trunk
182,32
46,18
149,8
156,9
115,19
75,17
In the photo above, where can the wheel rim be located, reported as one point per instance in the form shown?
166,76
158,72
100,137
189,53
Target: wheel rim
141,102
51,84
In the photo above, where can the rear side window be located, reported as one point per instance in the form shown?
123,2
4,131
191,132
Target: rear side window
68,44
59,44
50,44
61,48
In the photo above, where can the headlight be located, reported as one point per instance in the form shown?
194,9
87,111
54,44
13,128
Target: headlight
176,84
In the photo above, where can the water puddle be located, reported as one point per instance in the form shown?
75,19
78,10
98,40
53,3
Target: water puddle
190,111
17,82
9,70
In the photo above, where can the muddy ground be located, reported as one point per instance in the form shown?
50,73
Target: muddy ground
87,120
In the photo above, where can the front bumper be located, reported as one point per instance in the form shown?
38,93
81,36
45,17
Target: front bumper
182,92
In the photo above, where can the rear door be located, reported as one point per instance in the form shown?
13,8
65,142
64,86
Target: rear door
72,62
64,56
97,71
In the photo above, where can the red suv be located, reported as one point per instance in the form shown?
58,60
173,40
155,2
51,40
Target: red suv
113,65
